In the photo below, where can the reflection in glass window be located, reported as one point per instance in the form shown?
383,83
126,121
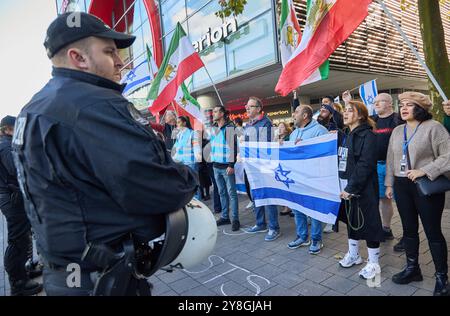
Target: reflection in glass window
252,45
214,59
202,20
147,34
253,9
194,5
173,11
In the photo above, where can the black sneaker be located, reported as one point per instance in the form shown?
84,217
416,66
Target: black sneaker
25,288
388,234
399,247
222,221
235,226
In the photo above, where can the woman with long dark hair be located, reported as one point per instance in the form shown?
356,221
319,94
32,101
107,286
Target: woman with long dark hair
358,174
419,148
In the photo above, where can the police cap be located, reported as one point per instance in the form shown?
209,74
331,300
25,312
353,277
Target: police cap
70,27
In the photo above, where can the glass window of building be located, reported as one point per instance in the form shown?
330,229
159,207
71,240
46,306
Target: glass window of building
253,9
253,45
194,5
172,11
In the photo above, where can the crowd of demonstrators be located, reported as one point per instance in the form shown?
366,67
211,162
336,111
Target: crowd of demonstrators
360,198
187,149
259,129
224,144
419,148
19,229
306,128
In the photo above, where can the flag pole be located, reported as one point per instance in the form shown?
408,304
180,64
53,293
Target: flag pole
358,86
215,88
413,50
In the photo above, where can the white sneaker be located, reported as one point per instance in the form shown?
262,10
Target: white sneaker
350,261
328,228
370,271
249,205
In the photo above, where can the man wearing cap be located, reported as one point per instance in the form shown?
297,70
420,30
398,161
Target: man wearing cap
19,229
328,116
91,170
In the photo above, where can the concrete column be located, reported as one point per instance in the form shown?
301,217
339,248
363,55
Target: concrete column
208,100
304,99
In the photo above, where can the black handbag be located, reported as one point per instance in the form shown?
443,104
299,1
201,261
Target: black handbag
426,187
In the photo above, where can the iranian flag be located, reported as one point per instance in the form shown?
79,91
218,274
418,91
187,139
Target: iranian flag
187,105
291,37
180,62
291,33
328,24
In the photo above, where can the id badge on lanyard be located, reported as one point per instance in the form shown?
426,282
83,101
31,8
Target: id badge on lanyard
343,155
403,165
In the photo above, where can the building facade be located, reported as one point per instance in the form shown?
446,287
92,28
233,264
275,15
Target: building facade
241,53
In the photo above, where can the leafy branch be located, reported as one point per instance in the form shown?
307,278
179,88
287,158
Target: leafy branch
231,7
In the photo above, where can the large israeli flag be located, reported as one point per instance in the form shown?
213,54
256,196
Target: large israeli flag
368,92
303,177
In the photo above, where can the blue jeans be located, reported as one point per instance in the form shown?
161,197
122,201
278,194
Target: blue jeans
260,213
227,184
194,167
301,224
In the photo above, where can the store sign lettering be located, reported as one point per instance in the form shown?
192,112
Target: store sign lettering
216,35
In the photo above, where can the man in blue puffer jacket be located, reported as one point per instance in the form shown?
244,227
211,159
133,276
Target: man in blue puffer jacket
259,129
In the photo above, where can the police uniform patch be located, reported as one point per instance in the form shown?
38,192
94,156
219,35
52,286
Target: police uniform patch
19,129
137,116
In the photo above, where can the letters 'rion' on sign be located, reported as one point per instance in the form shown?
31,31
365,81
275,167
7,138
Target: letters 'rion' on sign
216,35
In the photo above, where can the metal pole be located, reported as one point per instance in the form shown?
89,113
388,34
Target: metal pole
413,50
217,92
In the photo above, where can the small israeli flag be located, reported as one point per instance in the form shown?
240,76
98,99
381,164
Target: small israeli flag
368,92
137,78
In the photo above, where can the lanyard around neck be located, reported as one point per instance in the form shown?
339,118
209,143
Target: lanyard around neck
406,141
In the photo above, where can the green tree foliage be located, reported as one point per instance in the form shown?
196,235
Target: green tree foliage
435,51
231,7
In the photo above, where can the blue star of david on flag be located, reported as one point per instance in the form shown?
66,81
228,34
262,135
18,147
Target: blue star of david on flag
281,176
368,91
131,75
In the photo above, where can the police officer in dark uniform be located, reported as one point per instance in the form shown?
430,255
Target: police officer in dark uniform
19,229
92,171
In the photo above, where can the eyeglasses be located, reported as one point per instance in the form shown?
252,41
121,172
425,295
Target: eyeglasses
251,106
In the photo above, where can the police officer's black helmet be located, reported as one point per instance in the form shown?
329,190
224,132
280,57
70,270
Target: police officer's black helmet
190,237
70,27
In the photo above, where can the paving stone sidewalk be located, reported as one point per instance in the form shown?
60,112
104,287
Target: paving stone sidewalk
245,265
